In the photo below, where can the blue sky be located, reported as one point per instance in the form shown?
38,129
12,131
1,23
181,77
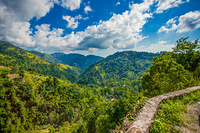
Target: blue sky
99,27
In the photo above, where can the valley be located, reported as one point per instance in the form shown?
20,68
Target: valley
41,92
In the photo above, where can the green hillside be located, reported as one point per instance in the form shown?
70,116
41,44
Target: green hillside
45,56
32,103
18,58
174,70
121,66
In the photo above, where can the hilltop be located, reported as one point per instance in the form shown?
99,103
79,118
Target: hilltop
77,60
121,66
45,56
15,57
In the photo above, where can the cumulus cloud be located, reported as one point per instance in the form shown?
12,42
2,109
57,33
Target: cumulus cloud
118,3
121,31
14,25
72,21
46,38
15,17
170,25
18,33
71,4
25,10
166,4
87,9
53,40
187,22
160,46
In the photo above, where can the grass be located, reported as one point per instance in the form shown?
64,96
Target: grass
171,113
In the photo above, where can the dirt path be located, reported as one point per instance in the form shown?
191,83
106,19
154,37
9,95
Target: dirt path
192,119
5,67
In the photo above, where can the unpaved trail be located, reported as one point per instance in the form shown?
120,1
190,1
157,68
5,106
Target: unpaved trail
192,119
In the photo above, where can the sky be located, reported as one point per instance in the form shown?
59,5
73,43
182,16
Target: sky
98,27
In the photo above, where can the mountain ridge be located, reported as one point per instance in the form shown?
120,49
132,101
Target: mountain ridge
124,65
14,56
77,60
45,56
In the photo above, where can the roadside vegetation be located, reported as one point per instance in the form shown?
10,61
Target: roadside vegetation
172,115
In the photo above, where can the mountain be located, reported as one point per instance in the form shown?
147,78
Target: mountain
13,56
45,56
77,60
119,67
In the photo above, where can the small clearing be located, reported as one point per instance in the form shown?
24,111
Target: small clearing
192,119
13,76
5,67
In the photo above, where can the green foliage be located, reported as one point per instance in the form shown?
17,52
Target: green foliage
173,70
35,103
29,106
171,113
165,75
46,56
14,57
113,70
187,54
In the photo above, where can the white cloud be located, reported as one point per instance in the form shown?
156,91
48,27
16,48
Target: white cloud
86,18
15,28
53,40
18,33
71,4
187,22
87,9
25,10
73,21
170,25
46,38
14,25
172,21
160,46
121,31
118,3
167,4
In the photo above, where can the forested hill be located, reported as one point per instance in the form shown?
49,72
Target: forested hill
77,60
45,56
18,58
121,66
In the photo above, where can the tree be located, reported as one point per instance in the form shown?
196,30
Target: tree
165,75
187,54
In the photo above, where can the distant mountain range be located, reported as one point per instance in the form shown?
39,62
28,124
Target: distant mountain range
13,56
116,68
119,67
45,56
77,60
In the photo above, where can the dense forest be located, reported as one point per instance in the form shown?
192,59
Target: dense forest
45,56
173,70
38,95
77,60
19,59
124,66
31,103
